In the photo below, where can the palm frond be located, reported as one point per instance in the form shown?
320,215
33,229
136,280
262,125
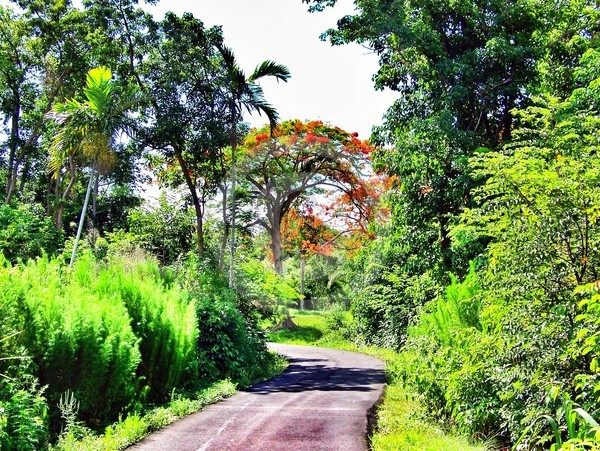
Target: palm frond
235,75
270,69
99,88
255,101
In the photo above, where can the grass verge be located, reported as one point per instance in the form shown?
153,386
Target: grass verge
401,422
135,427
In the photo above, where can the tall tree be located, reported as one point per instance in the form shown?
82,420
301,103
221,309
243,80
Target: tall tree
299,160
188,113
460,69
88,129
246,94
43,57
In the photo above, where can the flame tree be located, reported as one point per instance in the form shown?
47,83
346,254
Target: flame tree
304,159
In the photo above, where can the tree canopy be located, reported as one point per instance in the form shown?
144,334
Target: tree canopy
302,159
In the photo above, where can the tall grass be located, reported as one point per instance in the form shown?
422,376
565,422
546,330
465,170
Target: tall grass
111,333
76,339
163,319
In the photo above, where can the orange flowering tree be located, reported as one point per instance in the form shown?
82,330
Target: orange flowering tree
300,160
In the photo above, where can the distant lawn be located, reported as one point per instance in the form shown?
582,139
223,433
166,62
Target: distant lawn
311,327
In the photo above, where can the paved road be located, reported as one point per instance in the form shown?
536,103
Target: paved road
319,402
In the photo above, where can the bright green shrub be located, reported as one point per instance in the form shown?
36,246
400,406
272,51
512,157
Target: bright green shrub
76,339
163,319
267,289
23,414
23,407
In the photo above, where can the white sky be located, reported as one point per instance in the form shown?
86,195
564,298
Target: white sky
332,84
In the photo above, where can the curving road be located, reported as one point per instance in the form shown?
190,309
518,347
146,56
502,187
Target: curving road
320,402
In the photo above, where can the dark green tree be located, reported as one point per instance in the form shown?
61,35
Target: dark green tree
460,69
43,59
188,111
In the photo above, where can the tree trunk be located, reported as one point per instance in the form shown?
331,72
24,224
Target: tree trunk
199,228
82,217
195,200
277,249
12,172
225,236
95,198
65,195
288,323
233,206
445,244
24,177
302,267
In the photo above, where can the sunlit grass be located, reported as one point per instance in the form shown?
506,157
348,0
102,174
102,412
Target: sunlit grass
400,427
311,326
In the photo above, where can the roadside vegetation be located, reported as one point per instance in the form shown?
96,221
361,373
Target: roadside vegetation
461,242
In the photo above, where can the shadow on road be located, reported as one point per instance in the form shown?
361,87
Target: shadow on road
300,376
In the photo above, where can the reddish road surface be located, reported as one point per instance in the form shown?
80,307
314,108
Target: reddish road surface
319,403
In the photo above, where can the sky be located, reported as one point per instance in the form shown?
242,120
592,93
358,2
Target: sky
332,84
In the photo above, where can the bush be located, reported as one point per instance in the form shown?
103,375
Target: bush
165,231
23,414
162,318
77,340
385,309
230,342
112,334
26,232
23,407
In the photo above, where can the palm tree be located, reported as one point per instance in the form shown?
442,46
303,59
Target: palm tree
246,94
88,130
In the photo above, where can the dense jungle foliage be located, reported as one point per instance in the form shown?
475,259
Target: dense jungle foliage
464,235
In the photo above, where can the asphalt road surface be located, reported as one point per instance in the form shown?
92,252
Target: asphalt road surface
320,402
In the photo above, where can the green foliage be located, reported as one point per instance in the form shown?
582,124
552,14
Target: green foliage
273,293
25,232
165,231
23,414
580,430
113,335
386,307
441,359
77,339
485,359
326,280
401,425
162,318
458,309
586,346
229,342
